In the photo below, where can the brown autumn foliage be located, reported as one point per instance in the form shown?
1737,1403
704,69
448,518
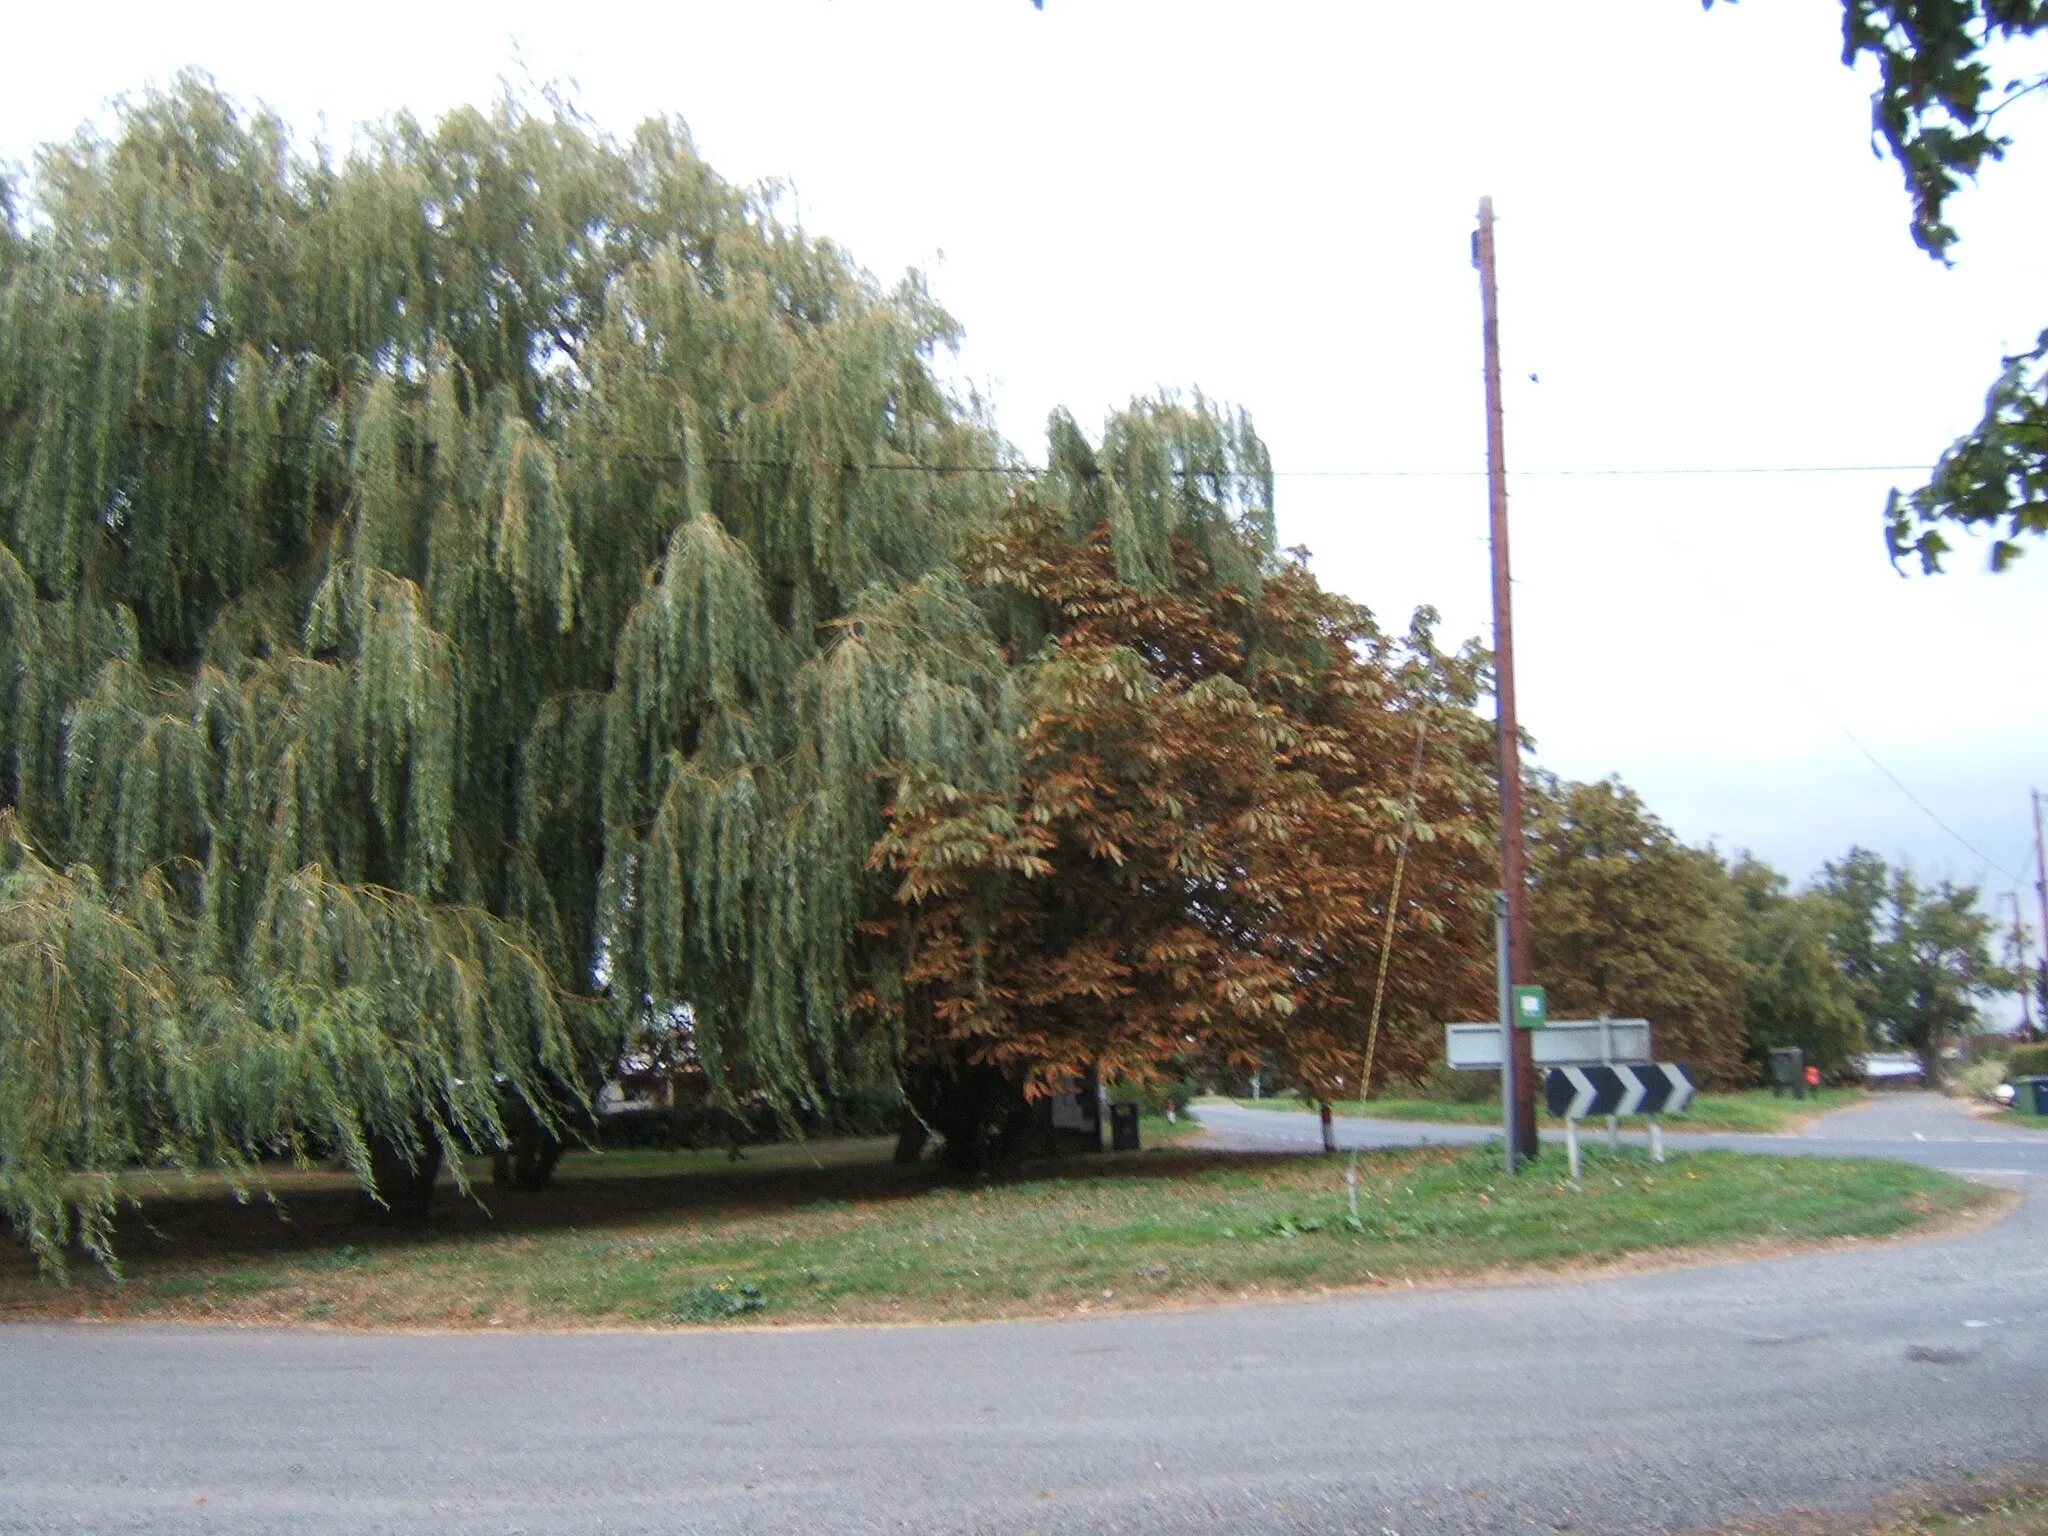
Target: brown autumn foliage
1199,855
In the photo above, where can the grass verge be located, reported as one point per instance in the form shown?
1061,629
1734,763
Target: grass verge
2009,1503
1753,1111
837,1233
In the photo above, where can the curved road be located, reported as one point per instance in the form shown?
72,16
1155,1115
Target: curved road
1911,1127
1642,1403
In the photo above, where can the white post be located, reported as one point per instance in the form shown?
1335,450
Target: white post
1571,1146
1614,1132
1656,1141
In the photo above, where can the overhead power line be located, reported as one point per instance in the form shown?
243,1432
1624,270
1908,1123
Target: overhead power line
1673,472
1795,681
1025,470
1646,472
1926,810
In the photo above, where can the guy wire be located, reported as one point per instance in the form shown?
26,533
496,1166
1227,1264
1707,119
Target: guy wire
1379,986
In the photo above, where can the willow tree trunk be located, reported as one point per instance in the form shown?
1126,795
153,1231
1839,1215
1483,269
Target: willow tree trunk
401,1180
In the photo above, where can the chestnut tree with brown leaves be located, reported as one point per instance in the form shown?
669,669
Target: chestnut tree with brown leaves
1216,780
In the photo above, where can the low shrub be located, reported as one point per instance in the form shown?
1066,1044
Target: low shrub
871,1111
876,1110
657,1128
1980,1078
1988,1047
2027,1061
716,1301
1447,1084
1154,1098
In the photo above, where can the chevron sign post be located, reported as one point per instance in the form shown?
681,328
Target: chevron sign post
1572,1093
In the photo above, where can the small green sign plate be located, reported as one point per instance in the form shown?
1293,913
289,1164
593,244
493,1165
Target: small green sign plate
1532,1009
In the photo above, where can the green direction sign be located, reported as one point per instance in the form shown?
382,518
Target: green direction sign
1532,1009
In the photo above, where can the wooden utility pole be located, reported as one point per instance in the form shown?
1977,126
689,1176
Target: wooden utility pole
2019,939
1513,879
2041,890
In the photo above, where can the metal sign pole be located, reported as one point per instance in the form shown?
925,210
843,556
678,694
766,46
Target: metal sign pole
1507,1025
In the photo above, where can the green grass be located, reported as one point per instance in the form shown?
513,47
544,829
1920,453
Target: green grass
2007,1514
2013,1502
692,1240
1754,1110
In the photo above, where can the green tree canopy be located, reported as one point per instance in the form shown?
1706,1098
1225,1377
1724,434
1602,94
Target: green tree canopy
1798,992
1624,919
1946,69
498,591
1917,956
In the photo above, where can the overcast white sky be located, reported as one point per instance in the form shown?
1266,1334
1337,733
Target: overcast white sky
1702,264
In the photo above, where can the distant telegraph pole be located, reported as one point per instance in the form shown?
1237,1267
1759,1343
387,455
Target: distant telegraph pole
2041,890
1514,880
2019,939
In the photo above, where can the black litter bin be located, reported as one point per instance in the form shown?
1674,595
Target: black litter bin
1123,1127
2038,1090
1788,1070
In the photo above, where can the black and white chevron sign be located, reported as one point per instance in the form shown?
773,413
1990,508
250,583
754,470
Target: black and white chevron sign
1574,1093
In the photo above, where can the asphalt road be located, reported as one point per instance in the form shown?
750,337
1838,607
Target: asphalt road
1635,1404
1910,1127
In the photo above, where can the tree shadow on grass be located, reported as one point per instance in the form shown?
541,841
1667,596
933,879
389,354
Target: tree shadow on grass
313,1214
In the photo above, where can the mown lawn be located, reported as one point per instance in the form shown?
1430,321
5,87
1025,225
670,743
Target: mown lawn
838,1233
1754,1110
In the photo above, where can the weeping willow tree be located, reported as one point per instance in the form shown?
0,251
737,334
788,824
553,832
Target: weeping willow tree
456,598
474,597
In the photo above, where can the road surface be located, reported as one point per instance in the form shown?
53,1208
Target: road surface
1911,1127
1635,1404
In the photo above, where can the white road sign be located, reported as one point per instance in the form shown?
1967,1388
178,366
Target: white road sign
1564,1043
